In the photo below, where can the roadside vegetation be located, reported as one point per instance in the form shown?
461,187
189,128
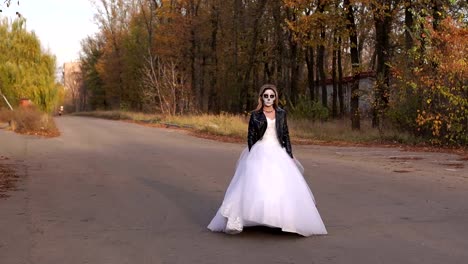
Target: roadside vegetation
347,71
392,72
27,72
30,121
303,131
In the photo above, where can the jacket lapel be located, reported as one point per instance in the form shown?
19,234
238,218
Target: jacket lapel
261,116
278,121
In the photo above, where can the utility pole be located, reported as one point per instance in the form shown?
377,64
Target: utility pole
4,97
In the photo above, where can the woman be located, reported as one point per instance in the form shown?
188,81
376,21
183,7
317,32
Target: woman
268,187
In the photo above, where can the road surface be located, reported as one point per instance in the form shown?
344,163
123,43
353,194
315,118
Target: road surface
111,192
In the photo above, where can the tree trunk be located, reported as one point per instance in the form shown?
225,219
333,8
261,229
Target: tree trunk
193,70
340,79
321,68
213,105
317,79
408,25
321,59
309,58
280,54
237,18
252,54
335,88
382,20
438,13
356,67
294,71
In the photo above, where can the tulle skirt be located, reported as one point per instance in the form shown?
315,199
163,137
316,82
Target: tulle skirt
268,189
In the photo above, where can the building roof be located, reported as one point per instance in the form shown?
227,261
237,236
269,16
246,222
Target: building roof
348,79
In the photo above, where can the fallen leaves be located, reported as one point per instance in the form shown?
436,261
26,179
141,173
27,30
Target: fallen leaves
8,178
42,133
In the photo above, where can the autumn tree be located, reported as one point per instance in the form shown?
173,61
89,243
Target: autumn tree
220,53
26,70
436,103
91,54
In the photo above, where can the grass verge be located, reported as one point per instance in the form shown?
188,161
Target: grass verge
233,128
222,125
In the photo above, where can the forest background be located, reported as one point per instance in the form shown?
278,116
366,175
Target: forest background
195,57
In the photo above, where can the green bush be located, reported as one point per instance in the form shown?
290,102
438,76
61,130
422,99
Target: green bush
403,113
307,109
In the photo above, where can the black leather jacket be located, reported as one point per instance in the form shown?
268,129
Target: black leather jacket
258,125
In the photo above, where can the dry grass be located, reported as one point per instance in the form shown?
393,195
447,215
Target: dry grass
223,124
119,115
301,130
5,115
30,121
340,130
113,115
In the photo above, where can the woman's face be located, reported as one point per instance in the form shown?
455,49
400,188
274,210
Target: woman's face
268,97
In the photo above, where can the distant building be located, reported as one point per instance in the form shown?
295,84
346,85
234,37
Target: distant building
73,83
366,85
71,74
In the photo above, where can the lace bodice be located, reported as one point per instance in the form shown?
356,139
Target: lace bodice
270,133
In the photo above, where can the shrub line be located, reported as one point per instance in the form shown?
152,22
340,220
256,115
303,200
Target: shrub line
203,132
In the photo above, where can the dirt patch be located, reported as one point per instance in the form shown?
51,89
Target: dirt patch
221,138
158,125
47,134
402,158
403,171
8,178
454,165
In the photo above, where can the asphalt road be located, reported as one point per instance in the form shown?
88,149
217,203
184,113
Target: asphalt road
110,192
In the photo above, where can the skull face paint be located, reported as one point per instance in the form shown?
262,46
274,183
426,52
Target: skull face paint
268,97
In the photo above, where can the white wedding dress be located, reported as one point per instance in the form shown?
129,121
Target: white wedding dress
268,189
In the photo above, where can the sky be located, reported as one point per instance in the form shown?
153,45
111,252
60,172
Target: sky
59,24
